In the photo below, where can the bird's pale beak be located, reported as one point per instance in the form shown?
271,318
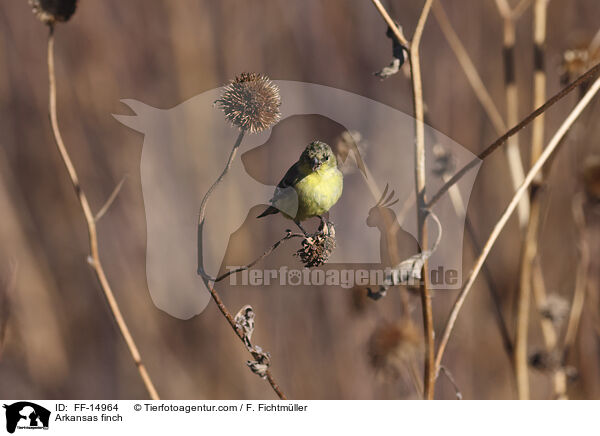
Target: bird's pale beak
315,164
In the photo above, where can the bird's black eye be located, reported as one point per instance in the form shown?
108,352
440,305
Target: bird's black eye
326,157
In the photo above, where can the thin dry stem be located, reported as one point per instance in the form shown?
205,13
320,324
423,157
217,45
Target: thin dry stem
530,247
229,317
204,203
513,155
94,259
539,75
552,145
538,287
207,278
494,293
584,78
110,201
397,31
549,333
469,69
448,374
520,9
420,183
581,278
529,254
272,248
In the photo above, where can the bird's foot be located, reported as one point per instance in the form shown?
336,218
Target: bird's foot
302,228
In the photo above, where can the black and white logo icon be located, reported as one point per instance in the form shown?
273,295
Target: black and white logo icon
26,415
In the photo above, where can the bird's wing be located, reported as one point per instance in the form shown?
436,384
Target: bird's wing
283,197
291,177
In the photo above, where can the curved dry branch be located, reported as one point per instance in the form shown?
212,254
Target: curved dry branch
94,257
552,145
584,78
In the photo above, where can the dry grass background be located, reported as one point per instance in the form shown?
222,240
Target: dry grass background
61,341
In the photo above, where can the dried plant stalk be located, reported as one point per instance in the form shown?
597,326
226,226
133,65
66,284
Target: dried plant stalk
94,259
469,69
417,87
581,279
546,154
530,248
251,103
513,155
584,78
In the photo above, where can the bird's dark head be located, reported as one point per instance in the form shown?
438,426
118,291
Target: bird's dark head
318,155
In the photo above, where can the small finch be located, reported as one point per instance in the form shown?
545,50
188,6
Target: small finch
313,184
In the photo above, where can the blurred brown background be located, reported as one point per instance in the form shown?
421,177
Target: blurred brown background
61,341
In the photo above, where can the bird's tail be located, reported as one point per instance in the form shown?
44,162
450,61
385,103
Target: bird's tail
269,211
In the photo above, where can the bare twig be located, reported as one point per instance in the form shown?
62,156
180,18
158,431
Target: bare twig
584,78
504,333
539,76
448,374
552,145
240,334
520,8
530,247
204,203
207,278
513,155
580,278
94,259
523,304
417,87
540,297
288,235
110,200
469,69
397,31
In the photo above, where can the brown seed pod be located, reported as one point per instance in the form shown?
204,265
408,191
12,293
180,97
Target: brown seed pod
251,102
51,11
316,249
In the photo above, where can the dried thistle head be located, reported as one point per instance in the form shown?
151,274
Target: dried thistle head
317,248
392,345
51,11
555,308
591,177
251,102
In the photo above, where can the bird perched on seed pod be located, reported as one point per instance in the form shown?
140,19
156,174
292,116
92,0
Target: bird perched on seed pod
310,187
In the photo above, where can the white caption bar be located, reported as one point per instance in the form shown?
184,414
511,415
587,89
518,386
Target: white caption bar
22,417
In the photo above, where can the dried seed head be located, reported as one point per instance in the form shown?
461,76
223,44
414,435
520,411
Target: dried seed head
556,309
577,61
316,249
261,363
545,360
591,177
251,102
50,11
244,321
392,345
444,163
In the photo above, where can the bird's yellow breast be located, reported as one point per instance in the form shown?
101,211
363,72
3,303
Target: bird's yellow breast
318,192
